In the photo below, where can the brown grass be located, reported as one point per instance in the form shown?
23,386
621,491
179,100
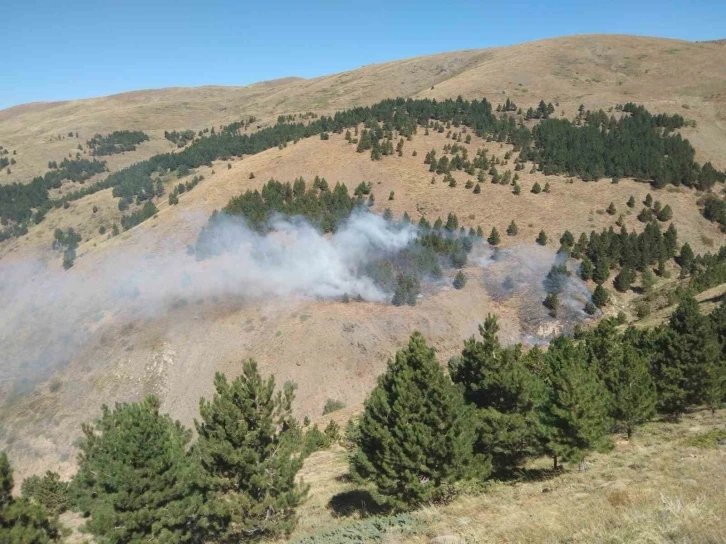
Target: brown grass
656,488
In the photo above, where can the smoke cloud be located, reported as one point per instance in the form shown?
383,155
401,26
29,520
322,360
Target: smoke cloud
47,314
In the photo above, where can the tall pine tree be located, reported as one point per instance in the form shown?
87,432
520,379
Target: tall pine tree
246,446
416,434
136,480
576,414
507,395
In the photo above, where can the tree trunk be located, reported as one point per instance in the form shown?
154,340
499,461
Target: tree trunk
630,432
554,465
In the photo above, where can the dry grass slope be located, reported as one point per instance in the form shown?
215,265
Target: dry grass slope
665,485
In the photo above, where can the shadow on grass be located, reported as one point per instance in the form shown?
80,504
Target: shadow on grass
356,501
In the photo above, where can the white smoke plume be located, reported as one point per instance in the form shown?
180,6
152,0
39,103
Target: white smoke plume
47,313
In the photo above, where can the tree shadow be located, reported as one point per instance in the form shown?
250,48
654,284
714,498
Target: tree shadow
356,501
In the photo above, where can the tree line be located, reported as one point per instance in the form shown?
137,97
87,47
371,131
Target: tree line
17,200
423,435
638,144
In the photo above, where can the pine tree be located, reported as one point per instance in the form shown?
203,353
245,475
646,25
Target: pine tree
459,280
477,189
452,222
624,279
136,480
551,302
685,350
512,229
600,296
416,434
633,391
601,272
586,269
244,446
541,238
685,259
648,200
494,237
507,395
536,188
22,521
576,414
612,210
666,214
631,201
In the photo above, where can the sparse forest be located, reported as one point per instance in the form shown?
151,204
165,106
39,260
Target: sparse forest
118,141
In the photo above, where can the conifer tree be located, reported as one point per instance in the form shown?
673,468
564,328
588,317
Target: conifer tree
245,447
416,434
600,296
494,237
624,279
135,479
631,201
685,350
633,392
459,280
612,210
586,269
512,229
21,520
536,188
685,259
576,414
507,395
541,238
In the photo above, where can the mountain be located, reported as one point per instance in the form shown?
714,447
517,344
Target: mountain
331,350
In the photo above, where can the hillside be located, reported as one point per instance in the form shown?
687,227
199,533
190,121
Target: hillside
597,70
330,349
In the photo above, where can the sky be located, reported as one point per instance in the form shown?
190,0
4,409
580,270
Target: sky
79,48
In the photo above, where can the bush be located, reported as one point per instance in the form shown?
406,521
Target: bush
333,405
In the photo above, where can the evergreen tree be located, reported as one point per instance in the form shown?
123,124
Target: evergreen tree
633,392
48,490
586,269
665,214
494,237
600,296
135,479
601,272
245,447
536,188
541,238
416,434
452,222
21,520
507,395
551,302
686,259
624,279
612,210
631,201
459,280
685,351
576,414
512,229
